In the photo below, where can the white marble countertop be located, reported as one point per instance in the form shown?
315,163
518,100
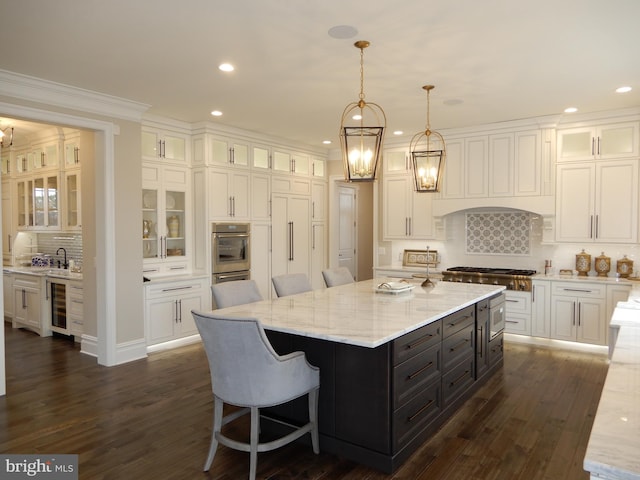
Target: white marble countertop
355,314
45,271
576,278
613,451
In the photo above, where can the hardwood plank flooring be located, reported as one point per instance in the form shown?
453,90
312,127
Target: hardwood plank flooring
151,419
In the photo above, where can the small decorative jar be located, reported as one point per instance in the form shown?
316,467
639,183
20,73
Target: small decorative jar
583,263
174,226
603,265
146,228
624,267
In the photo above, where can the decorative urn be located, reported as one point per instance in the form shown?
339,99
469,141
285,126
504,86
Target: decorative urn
624,267
602,265
583,263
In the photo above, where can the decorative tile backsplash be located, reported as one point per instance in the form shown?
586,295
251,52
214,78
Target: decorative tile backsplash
500,233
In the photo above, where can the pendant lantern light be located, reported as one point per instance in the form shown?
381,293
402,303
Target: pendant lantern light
428,153
362,133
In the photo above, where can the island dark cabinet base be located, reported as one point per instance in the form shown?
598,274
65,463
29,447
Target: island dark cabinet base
378,405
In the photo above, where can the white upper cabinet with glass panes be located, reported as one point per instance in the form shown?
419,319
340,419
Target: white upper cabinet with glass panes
164,145
229,152
615,140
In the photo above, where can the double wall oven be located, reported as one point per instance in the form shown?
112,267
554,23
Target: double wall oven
230,252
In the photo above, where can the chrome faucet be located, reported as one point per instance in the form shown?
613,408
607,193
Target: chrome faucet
65,264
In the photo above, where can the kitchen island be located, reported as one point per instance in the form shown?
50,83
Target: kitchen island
393,367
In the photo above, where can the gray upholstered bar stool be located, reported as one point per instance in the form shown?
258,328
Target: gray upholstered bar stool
337,276
238,292
290,284
247,372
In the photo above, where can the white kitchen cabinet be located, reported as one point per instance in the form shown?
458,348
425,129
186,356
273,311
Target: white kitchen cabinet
318,167
396,161
578,312
517,312
168,308
260,197
28,304
75,308
407,214
541,308
318,254
597,201
476,166
291,230
318,201
72,200
159,144
229,196
5,162
261,157
261,257
616,140
38,202
453,178
287,162
229,152
8,295
8,227
166,218
501,165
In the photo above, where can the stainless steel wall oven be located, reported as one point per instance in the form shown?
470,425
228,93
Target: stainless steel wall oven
230,251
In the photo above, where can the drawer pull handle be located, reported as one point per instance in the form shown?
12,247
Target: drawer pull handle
422,340
453,324
415,374
460,344
419,412
577,290
173,289
513,301
461,377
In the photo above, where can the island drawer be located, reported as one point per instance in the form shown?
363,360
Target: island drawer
496,349
455,382
458,346
458,320
410,419
417,341
411,376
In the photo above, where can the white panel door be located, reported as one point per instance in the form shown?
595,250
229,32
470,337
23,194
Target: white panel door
347,229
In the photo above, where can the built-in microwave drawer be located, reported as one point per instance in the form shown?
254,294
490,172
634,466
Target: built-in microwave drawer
417,341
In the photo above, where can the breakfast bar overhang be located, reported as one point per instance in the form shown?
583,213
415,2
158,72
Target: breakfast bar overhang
393,367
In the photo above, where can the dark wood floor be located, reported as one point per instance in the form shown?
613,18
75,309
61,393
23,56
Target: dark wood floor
150,419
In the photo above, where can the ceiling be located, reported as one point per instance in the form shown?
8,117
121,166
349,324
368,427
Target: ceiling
490,60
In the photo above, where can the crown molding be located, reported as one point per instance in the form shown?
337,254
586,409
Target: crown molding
47,92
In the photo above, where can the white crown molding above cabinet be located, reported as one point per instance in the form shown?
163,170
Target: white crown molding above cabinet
51,93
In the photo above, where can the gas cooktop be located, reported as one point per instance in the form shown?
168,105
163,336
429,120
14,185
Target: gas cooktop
492,271
512,278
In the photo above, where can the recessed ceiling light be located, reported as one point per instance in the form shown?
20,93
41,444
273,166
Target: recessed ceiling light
623,89
327,142
398,132
226,67
216,113
570,110
342,31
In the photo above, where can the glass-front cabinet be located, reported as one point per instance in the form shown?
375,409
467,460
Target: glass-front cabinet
164,239
38,203
73,216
